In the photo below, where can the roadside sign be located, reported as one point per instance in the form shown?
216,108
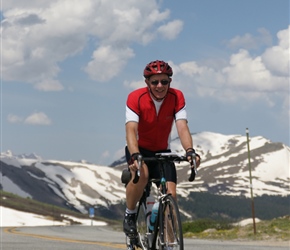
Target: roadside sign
91,212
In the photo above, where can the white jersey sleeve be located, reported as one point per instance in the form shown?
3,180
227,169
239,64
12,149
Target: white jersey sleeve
131,116
181,114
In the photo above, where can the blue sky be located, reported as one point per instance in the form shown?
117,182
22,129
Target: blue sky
68,66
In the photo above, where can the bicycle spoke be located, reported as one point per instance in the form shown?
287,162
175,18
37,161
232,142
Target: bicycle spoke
172,225
142,229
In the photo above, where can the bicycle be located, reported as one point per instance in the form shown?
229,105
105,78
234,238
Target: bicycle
167,230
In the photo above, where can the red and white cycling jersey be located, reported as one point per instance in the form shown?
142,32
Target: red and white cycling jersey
154,118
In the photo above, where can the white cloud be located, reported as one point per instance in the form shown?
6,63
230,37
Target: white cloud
248,41
105,154
245,77
250,74
107,62
49,85
24,5
134,84
41,34
276,58
14,118
39,118
171,30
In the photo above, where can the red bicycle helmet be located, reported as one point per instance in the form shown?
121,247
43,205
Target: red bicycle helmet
157,67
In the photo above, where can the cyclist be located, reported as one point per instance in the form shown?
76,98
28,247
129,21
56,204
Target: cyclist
150,112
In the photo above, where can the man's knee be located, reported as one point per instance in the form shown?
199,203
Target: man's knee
171,188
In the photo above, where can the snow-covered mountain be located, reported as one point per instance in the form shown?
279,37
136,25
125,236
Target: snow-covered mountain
71,184
225,165
224,171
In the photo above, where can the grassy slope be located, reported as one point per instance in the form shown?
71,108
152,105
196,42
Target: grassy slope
277,229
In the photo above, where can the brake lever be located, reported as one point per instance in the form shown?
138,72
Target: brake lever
137,174
193,169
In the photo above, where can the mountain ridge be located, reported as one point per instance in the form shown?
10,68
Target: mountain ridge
224,171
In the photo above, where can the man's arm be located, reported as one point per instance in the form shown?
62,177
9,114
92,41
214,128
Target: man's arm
131,137
185,137
184,133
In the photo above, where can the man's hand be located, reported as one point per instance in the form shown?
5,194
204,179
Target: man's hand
194,160
190,153
134,163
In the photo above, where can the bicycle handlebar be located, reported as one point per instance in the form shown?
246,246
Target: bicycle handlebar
167,157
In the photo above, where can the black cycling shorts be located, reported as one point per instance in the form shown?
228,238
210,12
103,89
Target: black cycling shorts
170,170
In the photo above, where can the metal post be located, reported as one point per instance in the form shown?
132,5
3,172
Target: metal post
92,214
251,186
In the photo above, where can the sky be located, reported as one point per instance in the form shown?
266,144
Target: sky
67,67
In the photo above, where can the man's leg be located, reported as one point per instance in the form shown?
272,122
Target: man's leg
171,188
134,193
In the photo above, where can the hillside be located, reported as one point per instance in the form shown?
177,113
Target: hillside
224,173
225,170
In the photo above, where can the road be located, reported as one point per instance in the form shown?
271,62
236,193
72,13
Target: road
104,238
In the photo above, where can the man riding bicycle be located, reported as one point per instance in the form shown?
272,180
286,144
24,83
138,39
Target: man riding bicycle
150,112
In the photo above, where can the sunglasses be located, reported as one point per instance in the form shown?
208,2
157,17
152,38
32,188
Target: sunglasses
163,82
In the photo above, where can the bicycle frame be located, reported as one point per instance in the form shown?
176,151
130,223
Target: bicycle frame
150,238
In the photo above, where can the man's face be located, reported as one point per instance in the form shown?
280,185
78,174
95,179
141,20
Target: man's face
158,85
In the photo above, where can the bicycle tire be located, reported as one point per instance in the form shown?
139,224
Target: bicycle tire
140,241
170,227
142,228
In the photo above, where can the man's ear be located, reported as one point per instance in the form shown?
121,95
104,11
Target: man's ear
147,81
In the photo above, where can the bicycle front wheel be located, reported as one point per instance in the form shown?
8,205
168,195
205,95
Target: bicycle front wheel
142,228
140,241
170,227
